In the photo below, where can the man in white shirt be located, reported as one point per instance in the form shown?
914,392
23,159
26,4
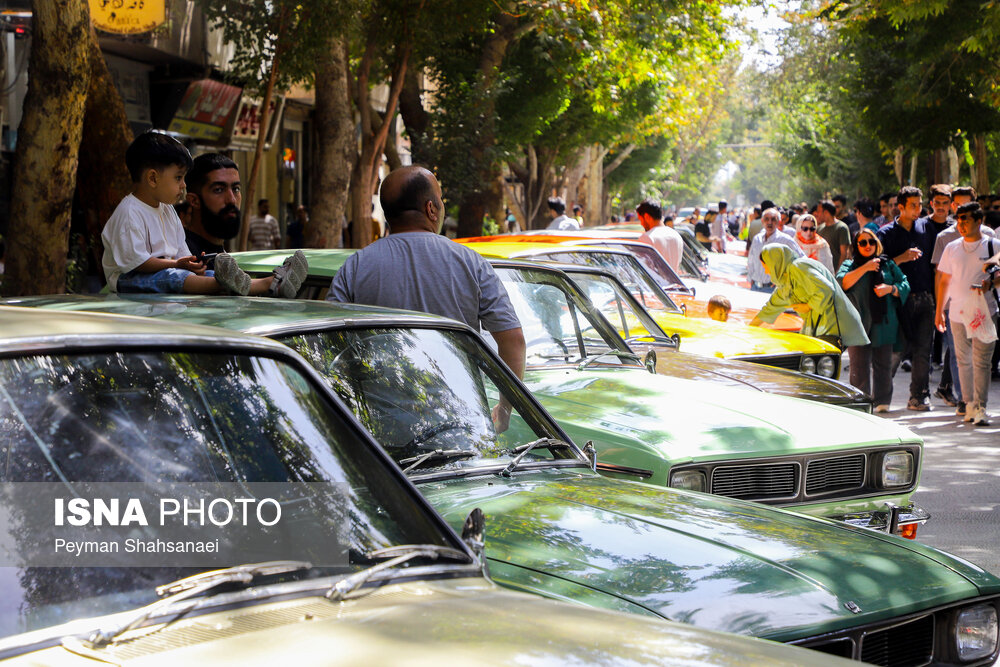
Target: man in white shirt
665,239
759,280
962,285
560,221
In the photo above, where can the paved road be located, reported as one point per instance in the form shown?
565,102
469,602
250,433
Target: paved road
960,485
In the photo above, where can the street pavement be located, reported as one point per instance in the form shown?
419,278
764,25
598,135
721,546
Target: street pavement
960,484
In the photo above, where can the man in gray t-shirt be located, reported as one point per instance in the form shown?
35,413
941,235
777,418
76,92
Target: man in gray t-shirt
417,269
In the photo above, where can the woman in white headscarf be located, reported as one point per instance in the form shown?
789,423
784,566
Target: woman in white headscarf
813,245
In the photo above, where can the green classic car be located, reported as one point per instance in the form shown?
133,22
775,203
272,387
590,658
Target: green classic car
425,387
694,434
107,399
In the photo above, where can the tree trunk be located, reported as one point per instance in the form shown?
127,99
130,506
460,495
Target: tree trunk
333,120
981,176
102,179
416,119
251,183
45,161
594,213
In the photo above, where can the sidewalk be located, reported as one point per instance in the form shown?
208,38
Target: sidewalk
960,481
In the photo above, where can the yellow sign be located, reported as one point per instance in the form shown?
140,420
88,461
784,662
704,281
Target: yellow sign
128,17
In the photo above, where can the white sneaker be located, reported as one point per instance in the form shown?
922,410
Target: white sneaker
881,408
979,416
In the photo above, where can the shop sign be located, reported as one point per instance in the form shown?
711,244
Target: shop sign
246,123
205,110
128,17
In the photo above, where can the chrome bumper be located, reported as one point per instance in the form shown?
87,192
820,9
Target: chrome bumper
888,520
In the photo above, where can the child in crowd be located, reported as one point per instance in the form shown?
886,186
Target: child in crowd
719,307
144,246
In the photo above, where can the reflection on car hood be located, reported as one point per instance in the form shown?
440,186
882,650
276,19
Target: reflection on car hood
456,622
682,419
743,374
709,561
731,339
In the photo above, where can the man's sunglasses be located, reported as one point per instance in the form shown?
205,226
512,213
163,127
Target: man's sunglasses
808,229
864,243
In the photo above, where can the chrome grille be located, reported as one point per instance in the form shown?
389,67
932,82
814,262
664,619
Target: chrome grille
756,481
906,645
788,362
846,472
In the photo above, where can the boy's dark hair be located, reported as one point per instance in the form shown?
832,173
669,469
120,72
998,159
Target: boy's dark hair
577,208
669,217
886,196
865,207
719,301
557,204
964,191
906,192
650,207
723,205
766,204
942,189
203,165
975,209
262,201
154,149
828,206
841,198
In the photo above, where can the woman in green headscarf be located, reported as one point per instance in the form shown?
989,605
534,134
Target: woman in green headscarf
811,290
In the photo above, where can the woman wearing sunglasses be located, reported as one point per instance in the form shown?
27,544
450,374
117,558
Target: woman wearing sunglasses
813,245
877,288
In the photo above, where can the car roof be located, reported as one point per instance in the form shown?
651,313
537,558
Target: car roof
37,330
254,315
322,261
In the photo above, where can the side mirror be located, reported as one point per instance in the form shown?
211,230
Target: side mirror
676,337
684,308
591,452
649,361
474,534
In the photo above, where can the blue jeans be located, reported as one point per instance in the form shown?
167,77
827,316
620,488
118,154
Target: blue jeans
949,340
767,289
165,281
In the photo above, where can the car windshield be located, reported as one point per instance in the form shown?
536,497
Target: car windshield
434,399
560,325
651,259
618,306
627,269
164,417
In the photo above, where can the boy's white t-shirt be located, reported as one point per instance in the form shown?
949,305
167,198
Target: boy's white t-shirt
136,232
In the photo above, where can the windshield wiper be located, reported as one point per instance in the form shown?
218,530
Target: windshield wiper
406,552
612,353
188,587
445,454
522,451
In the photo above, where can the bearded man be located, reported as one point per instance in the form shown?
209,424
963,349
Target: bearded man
214,192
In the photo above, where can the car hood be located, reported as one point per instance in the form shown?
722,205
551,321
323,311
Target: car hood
748,375
712,562
680,420
458,622
732,339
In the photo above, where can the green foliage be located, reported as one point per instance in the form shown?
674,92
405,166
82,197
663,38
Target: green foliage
298,33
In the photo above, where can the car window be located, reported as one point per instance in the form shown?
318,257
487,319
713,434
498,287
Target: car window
421,390
628,270
612,305
179,417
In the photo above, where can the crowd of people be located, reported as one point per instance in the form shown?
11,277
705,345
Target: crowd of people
890,283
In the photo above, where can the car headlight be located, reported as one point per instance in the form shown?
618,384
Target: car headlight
826,367
976,632
897,469
692,480
808,365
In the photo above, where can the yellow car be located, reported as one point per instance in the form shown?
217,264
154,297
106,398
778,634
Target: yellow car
725,340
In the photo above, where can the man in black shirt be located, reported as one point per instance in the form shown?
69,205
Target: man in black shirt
910,245
214,192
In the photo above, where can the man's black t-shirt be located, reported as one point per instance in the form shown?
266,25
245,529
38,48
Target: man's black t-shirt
706,231
199,244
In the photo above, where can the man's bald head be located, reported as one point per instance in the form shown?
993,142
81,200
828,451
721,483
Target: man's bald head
405,195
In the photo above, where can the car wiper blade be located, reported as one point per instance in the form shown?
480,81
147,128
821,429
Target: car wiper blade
522,451
609,353
437,454
182,589
406,552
